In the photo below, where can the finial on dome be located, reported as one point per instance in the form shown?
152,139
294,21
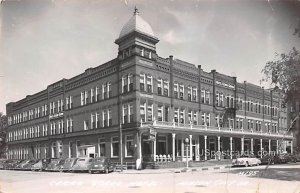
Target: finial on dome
136,11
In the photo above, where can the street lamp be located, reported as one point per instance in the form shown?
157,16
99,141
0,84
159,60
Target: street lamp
186,141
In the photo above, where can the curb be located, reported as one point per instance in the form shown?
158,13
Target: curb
185,170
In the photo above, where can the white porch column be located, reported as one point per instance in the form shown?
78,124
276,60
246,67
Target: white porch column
261,148
277,146
205,147
154,149
251,145
182,149
191,148
231,148
219,147
292,147
242,145
173,146
269,146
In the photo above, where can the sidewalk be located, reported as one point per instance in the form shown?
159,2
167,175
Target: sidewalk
208,165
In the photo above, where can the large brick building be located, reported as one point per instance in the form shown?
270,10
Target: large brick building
154,103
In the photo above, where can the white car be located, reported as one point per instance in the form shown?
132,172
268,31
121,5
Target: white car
246,161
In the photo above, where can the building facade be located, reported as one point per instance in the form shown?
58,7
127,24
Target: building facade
143,107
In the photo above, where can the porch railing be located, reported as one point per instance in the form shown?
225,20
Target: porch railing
163,124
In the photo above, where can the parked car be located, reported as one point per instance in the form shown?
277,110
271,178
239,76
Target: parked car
68,164
26,164
291,158
55,165
12,164
297,157
280,159
2,163
246,161
101,164
82,164
40,165
268,159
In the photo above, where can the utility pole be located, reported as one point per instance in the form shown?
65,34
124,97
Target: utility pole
121,146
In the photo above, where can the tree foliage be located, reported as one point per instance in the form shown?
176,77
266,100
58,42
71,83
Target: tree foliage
3,131
284,73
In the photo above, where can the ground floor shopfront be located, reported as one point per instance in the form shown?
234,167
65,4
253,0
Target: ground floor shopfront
158,142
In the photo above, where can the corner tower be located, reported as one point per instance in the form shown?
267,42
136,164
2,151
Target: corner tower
136,38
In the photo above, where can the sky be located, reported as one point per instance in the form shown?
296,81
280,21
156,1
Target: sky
43,41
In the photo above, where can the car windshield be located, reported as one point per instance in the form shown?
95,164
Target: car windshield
101,160
55,161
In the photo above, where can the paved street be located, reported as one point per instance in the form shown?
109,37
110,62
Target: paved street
276,179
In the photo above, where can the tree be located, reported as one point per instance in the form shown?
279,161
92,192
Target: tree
3,131
284,73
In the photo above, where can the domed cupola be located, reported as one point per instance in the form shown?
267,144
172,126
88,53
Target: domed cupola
136,37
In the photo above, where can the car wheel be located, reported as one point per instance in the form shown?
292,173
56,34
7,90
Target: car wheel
247,164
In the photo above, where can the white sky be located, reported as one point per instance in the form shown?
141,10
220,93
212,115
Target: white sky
43,41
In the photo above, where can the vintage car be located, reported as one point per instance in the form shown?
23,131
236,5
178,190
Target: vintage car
267,159
55,165
281,159
246,161
40,165
26,164
82,164
101,164
68,164
2,164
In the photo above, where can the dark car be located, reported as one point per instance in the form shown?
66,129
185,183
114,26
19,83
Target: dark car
68,164
291,158
2,164
268,159
55,165
101,164
82,164
280,159
40,165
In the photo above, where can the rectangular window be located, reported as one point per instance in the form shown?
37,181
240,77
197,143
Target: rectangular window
92,95
130,113
142,82
181,91
149,84
159,86
176,115
129,146
182,118
130,82
85,125
104,91
175,90
124,84
143,112
150,112
207,97
166,111
203,96
93,121
125,114
160,113
194,94
189,93
81,99
109,117
115,146
195,118
97,98
166,88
